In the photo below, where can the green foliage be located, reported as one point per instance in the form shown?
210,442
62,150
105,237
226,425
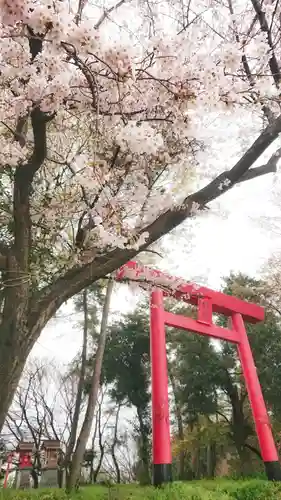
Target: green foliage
196,370
126,360
126,368
264,338
209,380
203,369
196,490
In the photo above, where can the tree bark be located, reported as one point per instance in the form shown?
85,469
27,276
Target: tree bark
180,426
101,447
12,360
88,419
144,448
115,439
78,401
241,428
211,460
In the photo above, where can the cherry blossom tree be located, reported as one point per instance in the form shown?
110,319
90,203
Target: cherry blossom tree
102,138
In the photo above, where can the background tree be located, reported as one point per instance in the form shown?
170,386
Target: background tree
126,366
42,409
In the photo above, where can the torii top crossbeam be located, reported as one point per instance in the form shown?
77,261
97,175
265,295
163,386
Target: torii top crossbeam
190,292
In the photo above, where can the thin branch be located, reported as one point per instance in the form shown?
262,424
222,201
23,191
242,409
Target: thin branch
253,449
81,6
266,110
223,416
273,63
107,12
213,189
147,250
269,167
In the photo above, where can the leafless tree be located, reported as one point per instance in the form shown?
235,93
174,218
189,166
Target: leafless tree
43,408
120,451
87,423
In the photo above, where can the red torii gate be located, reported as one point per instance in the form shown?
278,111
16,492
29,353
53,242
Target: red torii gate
208,302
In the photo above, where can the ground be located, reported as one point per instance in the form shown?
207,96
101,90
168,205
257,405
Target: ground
198,490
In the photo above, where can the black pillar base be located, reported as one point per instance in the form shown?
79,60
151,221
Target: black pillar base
161,473
273,471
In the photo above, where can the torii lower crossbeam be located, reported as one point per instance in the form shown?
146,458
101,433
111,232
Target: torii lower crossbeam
207,302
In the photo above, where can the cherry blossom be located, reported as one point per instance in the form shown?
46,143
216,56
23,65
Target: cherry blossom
124,116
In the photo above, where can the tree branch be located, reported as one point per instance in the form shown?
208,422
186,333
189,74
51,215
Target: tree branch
266,110
223,416
273,64
25,173
107,12
213,189
269,167
253,449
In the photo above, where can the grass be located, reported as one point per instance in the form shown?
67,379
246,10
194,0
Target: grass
254,489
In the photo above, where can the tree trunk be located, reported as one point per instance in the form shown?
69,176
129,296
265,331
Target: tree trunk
241,428
93,452
34,476
13,356
182,454
88,419
116,465
78,401
144,448
211,460
101,447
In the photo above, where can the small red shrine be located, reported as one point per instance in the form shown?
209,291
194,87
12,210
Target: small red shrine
25,450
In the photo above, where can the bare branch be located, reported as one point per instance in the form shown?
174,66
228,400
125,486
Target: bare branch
107,12
253,449
213,189
273,63
269,167
81,5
